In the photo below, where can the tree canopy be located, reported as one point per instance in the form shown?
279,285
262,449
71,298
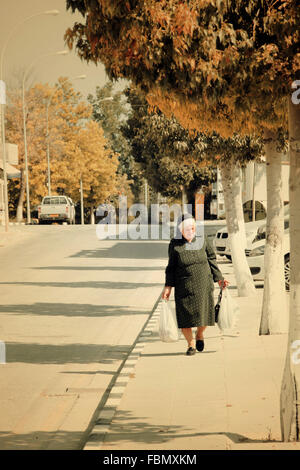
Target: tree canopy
169,156
110,110
224,58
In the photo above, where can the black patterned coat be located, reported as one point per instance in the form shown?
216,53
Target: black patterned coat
192,271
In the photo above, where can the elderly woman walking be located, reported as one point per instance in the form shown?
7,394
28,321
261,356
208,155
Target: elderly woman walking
192,271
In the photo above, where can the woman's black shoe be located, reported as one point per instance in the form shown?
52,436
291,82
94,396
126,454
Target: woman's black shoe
191,351
200,344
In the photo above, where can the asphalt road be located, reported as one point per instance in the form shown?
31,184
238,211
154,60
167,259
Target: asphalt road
71,309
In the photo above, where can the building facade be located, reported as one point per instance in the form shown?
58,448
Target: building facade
254,191
11,152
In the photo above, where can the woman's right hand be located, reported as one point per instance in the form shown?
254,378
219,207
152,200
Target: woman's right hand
166,293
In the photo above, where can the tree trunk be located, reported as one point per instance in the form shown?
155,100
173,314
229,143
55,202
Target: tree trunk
290,391
274,317
92,218
184,198
231,182
20,206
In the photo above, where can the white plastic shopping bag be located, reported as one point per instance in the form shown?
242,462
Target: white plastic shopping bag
168,329
229,311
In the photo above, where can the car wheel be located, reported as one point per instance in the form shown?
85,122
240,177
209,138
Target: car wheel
287,272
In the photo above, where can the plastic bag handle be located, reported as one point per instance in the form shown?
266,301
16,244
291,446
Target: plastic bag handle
220,295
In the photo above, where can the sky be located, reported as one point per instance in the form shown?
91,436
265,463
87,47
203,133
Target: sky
38,37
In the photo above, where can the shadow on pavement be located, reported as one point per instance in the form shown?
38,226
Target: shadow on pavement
69,310
92,372
176,354
33,353
137,430
128,249
134,432
99,268
87,285
42,440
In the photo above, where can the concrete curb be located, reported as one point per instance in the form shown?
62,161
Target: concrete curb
12,224
107,412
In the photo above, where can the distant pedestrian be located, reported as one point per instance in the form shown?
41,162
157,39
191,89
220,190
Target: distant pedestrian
192,270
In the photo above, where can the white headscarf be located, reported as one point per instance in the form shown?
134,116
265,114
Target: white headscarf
186,223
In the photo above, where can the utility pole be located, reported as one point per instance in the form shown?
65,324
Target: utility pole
2,104
26,153
48,149
146,193
81,202
253,194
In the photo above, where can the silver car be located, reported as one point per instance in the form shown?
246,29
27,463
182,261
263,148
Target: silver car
255,258
221,240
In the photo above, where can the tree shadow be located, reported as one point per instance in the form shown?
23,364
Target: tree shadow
91,372
98,268
137,432
128,249
41,440
125,427
176,354
87,284
69,310
33,353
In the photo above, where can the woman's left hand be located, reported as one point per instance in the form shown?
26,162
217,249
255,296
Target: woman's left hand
223,283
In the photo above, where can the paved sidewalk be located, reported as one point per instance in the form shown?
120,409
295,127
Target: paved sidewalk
225,398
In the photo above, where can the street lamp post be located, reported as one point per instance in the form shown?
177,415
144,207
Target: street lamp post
79,77
81,201
48,151
25,131
2,104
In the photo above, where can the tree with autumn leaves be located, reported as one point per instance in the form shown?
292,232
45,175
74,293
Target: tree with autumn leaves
78,148
217,65
95,166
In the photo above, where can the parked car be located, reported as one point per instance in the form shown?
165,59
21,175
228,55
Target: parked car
255,258
56,209
221,240
261,231
255,231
